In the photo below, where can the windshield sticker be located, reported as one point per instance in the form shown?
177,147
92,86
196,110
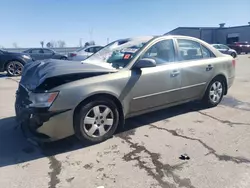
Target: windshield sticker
127,56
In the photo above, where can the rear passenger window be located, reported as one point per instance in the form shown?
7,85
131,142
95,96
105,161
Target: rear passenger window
206,52
189,50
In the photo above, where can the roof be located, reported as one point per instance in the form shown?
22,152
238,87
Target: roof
215,28
196,28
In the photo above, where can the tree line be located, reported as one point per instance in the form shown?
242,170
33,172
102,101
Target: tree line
55,44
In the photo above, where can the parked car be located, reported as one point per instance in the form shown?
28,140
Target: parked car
90,99
83,53
13,63
225,49
240,47
44,53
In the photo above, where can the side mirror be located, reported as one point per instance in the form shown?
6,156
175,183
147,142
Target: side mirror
144,63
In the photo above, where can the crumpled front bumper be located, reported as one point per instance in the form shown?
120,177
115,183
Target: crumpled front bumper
46,126
41,124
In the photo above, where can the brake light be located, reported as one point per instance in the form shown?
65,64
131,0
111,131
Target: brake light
72,55
233,62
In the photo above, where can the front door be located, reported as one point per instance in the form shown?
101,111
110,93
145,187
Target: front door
197,63
156,86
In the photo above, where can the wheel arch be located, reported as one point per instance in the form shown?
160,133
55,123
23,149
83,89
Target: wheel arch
223,78
104,95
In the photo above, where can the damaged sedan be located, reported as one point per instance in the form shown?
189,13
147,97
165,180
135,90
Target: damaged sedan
128,77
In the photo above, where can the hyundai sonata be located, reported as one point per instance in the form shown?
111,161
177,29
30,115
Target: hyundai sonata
90,99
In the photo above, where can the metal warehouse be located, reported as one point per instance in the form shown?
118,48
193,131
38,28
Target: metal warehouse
222,34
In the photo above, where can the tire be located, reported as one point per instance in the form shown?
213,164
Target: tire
234,55
14,68
209,99
63,58
92,127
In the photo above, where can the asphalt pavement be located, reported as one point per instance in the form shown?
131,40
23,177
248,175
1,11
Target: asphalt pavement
146,153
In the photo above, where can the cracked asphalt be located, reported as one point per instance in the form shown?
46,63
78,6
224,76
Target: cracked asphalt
145,153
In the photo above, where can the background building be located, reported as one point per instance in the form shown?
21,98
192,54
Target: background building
222,35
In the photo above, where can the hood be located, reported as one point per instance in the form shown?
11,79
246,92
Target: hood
35,73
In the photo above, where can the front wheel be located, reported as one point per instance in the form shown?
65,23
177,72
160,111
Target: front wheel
63,58
96,121
234,55
14,68
214,93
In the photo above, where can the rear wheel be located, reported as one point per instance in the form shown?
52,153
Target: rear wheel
14,68
214,92
96,121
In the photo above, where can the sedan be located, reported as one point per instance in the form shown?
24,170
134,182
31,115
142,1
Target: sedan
241,47
90,99
83,53
44,53
13,63
225,49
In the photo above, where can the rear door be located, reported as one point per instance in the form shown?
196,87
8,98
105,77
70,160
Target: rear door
224,49
47,54
197,63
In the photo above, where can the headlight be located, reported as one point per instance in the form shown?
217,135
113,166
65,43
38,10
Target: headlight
42,100
26,57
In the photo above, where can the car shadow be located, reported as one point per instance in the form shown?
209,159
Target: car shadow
15,149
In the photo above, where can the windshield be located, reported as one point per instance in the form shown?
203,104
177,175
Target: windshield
119,53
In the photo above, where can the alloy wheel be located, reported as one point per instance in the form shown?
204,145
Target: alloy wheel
15,68
216,91
98,121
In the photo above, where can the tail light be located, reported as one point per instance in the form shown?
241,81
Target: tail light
233,62
72,55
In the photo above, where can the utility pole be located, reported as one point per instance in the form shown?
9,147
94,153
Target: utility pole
80,42
91,33
107,40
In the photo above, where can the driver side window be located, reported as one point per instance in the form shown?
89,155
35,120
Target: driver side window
162,52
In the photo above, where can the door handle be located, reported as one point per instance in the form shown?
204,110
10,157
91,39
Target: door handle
175,73
209,67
